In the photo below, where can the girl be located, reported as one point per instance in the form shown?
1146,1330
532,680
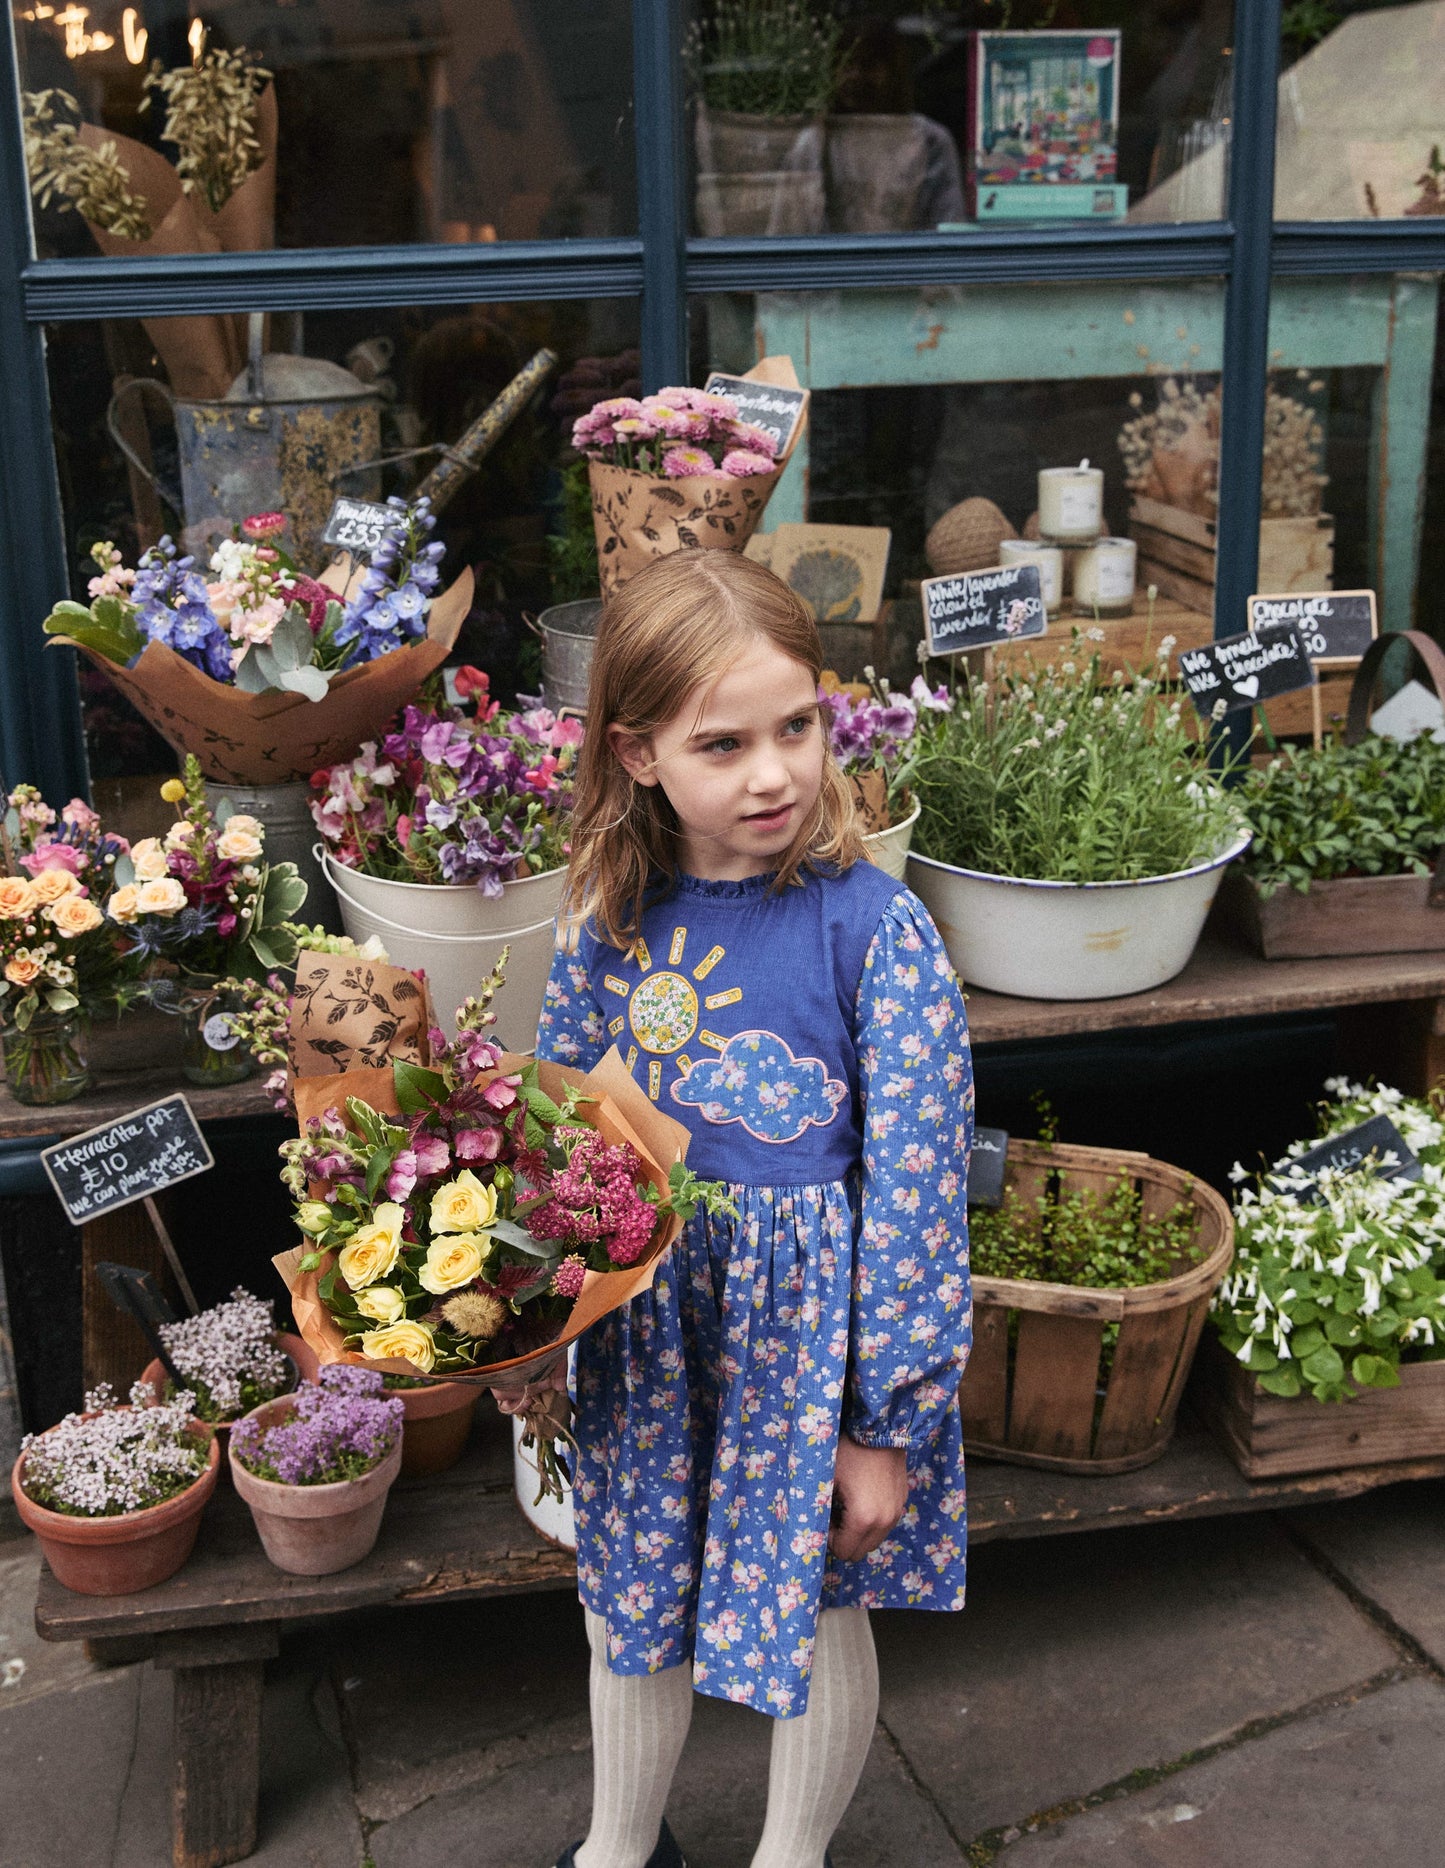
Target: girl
769,1442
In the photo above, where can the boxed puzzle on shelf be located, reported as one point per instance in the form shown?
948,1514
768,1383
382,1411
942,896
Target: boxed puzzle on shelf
1043,118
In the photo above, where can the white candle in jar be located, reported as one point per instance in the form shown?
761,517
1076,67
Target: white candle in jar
1104,577
1071,502
1049,559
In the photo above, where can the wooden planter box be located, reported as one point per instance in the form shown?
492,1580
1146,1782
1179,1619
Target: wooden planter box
1353,915
1267,1435
1177,552
1040,1400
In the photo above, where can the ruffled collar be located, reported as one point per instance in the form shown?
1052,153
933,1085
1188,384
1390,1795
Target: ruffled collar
699,888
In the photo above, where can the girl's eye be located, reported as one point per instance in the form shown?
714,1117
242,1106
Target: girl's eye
799,726
726,744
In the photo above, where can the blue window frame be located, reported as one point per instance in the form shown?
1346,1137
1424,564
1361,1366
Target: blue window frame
40,733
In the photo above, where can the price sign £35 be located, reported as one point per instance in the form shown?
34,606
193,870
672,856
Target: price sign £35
356,525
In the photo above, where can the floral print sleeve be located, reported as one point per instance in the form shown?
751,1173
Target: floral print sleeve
571,1029
911,1313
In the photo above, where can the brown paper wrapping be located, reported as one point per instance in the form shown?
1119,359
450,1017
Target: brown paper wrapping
638,517
349,1014
275,737
870,800
622,1114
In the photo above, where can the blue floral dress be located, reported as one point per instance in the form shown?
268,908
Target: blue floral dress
815,1044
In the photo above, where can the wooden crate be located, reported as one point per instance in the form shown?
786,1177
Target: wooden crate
1130,642
1177,552
1349,915
1034,1400
1267,1435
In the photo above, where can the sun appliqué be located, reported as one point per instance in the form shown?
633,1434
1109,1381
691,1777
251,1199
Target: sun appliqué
663,1010
758,1082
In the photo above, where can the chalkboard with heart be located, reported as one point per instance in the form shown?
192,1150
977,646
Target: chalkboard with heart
1337,625
1241,671
975,609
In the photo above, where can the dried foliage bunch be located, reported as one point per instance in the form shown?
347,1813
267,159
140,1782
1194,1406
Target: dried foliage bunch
1337,1276
62,167
111,1459
227,1357
1171,452
211,118
1376,809
765,58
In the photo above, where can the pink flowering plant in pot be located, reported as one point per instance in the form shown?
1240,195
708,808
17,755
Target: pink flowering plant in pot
875,736
230,1356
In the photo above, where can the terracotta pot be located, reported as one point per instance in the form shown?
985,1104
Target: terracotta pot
438,1418
154,1373
313,1530
117,1556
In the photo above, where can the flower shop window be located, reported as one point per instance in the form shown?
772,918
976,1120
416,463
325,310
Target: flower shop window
350,388
341,123
807,118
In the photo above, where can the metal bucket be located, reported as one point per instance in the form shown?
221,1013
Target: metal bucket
290,838
569,634
287,433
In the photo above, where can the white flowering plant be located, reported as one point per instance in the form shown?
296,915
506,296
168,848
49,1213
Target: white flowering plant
111,1459
1339,1276
1061,773
227,1356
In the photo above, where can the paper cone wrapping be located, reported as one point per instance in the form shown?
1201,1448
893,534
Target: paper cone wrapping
622,1113
276,737
349,1015
639,516
870,801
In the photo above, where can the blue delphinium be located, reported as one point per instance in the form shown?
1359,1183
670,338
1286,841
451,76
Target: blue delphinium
172,607
391,602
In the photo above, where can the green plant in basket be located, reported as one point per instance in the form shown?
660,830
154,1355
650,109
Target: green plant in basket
1331,1291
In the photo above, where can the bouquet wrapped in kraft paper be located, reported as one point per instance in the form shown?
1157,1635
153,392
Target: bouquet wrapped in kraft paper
468,1220
686,468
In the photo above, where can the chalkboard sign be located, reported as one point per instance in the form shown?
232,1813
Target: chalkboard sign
768,406
1337,625
986,1167
128,1159
974,609
1346,1152
356,525
1244,670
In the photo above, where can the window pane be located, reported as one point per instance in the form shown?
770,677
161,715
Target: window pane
388,121
426,375
933,414
1361,111
810,119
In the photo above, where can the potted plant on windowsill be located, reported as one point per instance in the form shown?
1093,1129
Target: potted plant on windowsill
1349,837
875,736
1072,834
115,1493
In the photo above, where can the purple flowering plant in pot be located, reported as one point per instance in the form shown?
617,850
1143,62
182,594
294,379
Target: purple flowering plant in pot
875,736
231,1357
315,1468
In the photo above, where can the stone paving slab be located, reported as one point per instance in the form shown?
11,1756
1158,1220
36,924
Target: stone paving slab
1081,1659
67,1758
1359,1783
1391,1547
30,1667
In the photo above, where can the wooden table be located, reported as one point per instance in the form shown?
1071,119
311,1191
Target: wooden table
460,1536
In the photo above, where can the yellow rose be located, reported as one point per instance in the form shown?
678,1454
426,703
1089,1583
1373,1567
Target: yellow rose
313,1216
179,834
383,1303
454,1259
51,885
22,970
463,1205
149,860
413,1342
372,1250
124,904
75,915
238,846
17,898
160,898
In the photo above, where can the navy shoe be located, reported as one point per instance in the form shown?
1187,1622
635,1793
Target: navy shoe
666,1855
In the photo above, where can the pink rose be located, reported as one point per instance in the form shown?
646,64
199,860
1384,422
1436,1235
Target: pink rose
53,856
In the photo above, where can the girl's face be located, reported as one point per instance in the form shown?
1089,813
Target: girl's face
742,764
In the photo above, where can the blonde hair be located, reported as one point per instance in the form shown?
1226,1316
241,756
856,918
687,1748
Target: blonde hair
676,626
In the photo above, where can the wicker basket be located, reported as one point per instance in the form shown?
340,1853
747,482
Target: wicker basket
966,538
1040,1399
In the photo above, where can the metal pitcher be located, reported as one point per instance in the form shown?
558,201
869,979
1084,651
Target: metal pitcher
281,440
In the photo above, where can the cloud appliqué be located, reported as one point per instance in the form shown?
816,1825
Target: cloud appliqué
757,1081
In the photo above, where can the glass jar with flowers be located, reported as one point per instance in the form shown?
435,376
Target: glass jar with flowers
204,911
61,964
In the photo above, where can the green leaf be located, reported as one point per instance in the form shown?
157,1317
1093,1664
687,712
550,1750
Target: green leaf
1305,1342
368,1122
308,681
283,892
377,1169
1325,1365
417,1090
248,676
1375,1372
1284,1381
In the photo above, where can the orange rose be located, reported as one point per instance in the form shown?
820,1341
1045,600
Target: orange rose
160,898
22,970
52,885
124,904
75,915
17,898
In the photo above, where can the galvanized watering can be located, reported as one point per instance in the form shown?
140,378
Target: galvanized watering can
284,438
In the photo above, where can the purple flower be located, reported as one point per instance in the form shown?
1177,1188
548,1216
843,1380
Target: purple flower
478,1144
431,1154
403,1175
337,1430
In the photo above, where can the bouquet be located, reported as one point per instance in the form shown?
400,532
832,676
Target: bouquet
875,738
203,897
449,798
677,469
1332,1292
261,670
470,1219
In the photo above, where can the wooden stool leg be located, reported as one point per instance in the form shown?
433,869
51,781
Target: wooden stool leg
218,1763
